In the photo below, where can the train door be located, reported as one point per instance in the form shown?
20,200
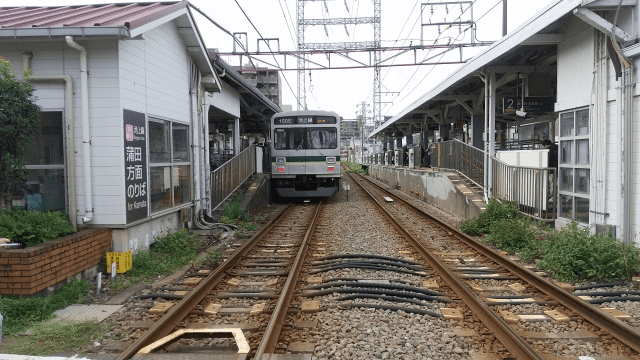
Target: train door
297,151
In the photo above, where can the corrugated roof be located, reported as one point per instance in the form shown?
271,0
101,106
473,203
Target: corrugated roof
132,15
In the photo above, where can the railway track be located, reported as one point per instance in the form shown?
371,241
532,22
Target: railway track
486,280
362,277
250,291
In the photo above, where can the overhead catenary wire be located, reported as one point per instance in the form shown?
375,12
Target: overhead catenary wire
268,46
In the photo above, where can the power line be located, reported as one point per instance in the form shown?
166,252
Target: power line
286,21
269,46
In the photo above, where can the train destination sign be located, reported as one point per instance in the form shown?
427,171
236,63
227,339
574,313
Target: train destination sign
135,165
304,120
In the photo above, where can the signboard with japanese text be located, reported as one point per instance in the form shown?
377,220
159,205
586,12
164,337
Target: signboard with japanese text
135,165
531,104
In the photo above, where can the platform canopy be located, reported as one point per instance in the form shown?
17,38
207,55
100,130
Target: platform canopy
529,49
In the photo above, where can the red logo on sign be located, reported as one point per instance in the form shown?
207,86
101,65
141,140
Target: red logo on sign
128,132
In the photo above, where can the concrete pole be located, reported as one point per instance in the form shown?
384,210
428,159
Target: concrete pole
504,17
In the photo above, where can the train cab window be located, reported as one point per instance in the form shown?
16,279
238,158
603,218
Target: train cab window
280,142
322,138
296,139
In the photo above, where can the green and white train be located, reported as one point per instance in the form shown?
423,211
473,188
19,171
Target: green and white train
305,153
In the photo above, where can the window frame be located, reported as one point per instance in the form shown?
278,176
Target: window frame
172,164
21,198
573,165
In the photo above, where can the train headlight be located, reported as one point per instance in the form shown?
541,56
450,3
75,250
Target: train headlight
331,160
330,168
281,160
280,168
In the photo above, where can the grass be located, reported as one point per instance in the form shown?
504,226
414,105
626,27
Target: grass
354,168
53,337
571,254
167,254
21,312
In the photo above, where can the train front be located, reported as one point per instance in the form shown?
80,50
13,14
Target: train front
305,153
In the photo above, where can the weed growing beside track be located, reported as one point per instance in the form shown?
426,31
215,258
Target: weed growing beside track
571,254
21,312
354,168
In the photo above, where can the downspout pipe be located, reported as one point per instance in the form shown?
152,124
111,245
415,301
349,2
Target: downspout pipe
70,160
86,138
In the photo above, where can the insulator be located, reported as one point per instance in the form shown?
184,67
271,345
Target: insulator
446,8
439,32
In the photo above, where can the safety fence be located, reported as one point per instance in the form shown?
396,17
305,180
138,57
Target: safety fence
463,158
230,175
533,189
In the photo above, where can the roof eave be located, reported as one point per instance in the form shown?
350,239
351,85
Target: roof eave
62,31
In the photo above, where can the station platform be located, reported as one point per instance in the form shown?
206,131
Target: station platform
444,189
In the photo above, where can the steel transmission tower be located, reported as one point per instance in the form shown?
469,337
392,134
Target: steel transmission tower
377,108
375,46
302,94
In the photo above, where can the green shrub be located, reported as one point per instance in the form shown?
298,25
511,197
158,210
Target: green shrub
496,210
168,253
20,312
233,211
571,254
521,235
354,168
32,227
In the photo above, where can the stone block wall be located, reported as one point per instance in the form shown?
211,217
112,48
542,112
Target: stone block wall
28,271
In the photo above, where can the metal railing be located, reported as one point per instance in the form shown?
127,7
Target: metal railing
230,175
533,189
461,157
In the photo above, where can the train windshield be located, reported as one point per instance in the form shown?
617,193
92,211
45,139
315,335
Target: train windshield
306,138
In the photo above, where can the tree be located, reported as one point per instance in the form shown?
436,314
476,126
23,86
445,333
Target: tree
19,119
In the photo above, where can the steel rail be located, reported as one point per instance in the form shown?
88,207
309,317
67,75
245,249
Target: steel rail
272,332
593,314
513,342
178,312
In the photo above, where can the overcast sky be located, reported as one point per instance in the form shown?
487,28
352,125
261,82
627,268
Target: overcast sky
342,90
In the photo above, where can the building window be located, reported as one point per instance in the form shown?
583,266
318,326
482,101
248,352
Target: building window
574,166
169,164
45,188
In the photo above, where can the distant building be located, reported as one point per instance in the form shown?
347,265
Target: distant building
265,79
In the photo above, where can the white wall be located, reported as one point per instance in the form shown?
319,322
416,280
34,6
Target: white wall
227,100
575,66
154,74
55,57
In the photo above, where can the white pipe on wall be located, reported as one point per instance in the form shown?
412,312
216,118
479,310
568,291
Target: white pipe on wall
86,137
70,160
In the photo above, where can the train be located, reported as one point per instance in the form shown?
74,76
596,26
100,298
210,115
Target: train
305,153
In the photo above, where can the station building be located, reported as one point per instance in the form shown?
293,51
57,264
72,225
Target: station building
133,109
567,75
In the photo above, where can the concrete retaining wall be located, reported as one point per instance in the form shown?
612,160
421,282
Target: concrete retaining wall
31,270
257,195
432,187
